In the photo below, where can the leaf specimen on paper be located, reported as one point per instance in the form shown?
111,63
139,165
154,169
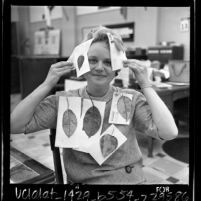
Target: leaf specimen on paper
108,144
80,61
92,121
124,107
69,122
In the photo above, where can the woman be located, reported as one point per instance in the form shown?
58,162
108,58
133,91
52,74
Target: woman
149,115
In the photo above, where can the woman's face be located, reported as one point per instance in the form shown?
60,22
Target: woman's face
101,73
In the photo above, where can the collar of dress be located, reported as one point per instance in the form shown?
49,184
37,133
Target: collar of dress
106,98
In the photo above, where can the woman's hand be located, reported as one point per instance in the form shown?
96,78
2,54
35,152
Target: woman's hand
161,115
56,71
25,110
140,70
157,72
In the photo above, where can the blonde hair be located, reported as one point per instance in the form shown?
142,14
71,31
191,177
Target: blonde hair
100,34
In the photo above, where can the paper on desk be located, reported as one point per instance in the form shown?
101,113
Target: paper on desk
179,83
117,57
103,146
80,59
162,85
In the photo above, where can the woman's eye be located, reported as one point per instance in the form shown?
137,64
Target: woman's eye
92,61
108,63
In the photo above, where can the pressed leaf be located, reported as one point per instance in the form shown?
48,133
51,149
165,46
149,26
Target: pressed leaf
80,61
108,144
92,121
124,107
69,122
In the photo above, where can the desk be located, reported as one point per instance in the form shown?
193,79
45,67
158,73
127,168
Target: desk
169,95
26,170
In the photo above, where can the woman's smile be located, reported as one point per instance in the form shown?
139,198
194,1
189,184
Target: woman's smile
98,75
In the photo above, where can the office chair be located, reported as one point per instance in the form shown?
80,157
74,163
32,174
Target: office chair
181,115
181,111
55,150
56,158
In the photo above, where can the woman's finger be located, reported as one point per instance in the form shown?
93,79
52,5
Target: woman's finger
134,63
125,65
130,61
136,68
62,64
70,68
130,64
63,72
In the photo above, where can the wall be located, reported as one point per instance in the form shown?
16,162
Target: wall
14,14
24,30
19,16
169,30
145,32
152,25
67,25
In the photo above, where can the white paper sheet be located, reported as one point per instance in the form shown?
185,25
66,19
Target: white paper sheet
74,84
79,140
62,140
117,56
47,44
80,59
100,105
54,41
39,42
115,114
102,147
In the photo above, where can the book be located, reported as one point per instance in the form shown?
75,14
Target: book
26,170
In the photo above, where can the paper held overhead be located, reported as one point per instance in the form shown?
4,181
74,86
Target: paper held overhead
117,57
